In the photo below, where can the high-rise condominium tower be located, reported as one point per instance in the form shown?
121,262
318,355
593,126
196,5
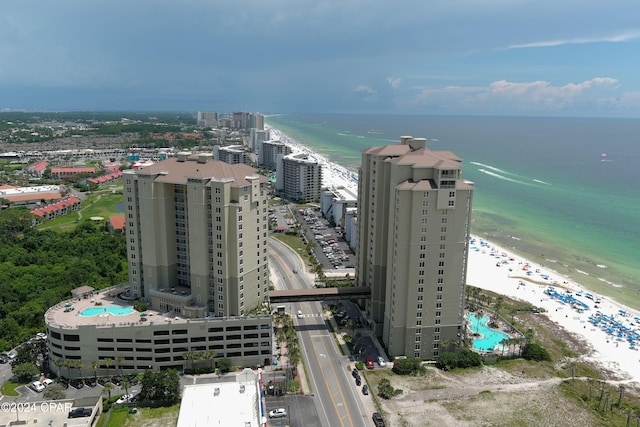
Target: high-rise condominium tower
413,231
197,236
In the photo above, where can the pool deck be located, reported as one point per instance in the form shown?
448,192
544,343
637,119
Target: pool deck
57,315
480,336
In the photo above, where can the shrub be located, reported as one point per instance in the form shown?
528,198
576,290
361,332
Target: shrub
464,359
409,366
536,353
386,390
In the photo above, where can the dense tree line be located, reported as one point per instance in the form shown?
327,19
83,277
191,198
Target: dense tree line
39,269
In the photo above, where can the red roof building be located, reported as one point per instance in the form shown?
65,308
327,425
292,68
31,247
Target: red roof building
62,207
117,223
61,173
37,168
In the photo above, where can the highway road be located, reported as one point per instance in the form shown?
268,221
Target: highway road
336,395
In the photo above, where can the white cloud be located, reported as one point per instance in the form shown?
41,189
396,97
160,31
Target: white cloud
365,89
616,38
523,96
394,82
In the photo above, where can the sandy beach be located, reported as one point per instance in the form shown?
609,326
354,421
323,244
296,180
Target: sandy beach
333,175
496,269
501,271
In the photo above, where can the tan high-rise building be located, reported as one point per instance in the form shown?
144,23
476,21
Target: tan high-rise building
413,231
197,232
299,177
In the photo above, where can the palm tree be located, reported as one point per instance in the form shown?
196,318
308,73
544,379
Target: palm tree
95,365
78,364
188,357
108,362
478,316
108,387
60,363
126,384
497,306
504,343
119,361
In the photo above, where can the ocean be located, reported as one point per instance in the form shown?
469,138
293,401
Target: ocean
562,192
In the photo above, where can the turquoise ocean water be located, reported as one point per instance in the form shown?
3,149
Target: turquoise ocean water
563,191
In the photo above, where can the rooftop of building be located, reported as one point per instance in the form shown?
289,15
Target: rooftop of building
187,166
68,314
231,403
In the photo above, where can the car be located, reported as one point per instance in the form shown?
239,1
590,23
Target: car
377,419
365,389
358,381
103,380
80,412
355,373
133,379
47,382
36,386
117,380
381,361
124,399
299,314
63,383
77,384
369,362
278,413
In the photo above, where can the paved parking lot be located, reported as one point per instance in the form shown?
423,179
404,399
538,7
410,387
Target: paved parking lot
330,248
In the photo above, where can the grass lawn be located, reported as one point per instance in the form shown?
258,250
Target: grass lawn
102,205
9,388
146,417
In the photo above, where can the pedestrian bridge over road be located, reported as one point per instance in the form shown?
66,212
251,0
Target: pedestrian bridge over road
319,294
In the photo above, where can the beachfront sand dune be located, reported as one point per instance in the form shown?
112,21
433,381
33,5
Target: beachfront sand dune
496,269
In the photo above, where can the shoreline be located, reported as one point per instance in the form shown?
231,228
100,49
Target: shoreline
488,270
609,352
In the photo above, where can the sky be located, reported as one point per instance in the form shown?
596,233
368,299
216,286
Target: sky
468,57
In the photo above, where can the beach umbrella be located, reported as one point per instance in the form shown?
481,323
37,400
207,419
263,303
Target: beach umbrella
143,314
67,305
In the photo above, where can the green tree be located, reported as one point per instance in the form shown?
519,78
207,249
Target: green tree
119,361
225,365
27,353
535,352
160,388
26,371
60,363
55,392
94,366
386,390
108,387
108,362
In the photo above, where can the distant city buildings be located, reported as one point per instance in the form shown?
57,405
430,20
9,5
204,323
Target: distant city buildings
270,151
413,223
207,119
232,154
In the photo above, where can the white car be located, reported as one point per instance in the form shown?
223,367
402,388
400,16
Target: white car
299,317
36,386
278,413
124,399
381,361
47,382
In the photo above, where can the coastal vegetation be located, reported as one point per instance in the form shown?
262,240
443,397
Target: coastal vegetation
39,268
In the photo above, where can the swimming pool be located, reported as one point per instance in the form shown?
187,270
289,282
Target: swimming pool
111,309
490,337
